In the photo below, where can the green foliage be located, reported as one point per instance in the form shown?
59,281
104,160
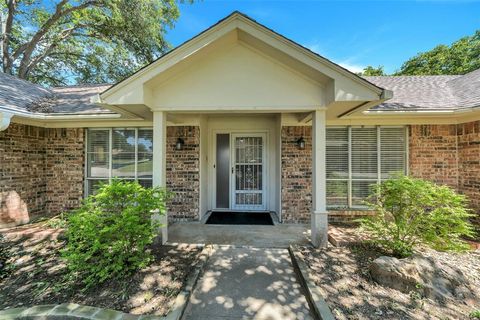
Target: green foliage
413,211
108,236
475,314
57,222
372,71
460,57
89,41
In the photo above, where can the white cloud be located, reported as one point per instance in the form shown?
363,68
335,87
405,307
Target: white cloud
352,67
346,63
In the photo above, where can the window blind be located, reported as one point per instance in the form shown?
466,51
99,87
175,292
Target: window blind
359,157
337,167
125,153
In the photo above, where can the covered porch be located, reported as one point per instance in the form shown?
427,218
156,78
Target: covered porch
245,82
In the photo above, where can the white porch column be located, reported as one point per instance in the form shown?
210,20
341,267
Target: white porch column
159,163
319,210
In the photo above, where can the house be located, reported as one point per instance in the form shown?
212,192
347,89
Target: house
238,118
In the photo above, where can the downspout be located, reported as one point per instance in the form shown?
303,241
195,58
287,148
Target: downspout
5,118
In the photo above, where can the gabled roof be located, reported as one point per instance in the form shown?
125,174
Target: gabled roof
238,20
410,93
430,93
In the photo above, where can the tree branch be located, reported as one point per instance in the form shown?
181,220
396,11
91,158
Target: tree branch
64,34
28,48
6,59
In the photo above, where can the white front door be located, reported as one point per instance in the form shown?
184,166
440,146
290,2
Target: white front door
248,171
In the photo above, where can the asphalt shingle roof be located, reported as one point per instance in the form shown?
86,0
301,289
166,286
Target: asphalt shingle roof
23,96
449,92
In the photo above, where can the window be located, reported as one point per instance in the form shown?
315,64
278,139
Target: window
357,158
124,153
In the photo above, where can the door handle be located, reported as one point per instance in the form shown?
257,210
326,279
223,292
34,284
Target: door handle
232,170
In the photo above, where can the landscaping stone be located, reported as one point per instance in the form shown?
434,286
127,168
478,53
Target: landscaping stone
70,311
342,236
423,275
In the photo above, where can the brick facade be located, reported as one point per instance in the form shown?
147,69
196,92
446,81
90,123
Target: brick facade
296,174
448,154
469,163
444,154
433,153
64,168
183,173
41,172
42,169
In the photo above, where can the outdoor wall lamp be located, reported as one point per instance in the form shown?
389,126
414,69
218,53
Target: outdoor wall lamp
301,143
179,144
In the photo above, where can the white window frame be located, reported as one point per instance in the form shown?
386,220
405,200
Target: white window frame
379,179
110,140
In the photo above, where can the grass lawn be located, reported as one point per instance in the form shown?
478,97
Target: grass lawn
38,277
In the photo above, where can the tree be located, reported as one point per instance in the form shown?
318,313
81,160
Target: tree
90,41
372,71
460,57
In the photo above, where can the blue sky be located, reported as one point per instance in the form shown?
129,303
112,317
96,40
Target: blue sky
352,33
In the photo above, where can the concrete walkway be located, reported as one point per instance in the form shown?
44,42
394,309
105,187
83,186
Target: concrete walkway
248,283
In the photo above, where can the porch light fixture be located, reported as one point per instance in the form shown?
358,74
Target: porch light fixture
179,144
301,143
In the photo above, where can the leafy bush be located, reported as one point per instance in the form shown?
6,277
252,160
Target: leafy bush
475,314
411,211
108,236
57,222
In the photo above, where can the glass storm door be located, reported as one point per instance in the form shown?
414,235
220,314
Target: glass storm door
248,172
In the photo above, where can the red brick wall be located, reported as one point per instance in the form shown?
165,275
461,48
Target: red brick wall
296,174
445,154
469,163
64,169
22,183
41,172
183,173
433,153
448,154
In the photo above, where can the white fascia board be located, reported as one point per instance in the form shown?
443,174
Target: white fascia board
415,112
58,116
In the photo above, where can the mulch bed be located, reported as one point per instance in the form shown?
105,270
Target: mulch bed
343,276
38,278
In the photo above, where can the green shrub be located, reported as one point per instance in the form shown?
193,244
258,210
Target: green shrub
475,314
57,222
108,236
413,211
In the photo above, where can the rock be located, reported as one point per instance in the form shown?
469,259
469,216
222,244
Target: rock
423,275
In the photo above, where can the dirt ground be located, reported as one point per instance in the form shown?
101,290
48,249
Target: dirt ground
38,277
343,277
